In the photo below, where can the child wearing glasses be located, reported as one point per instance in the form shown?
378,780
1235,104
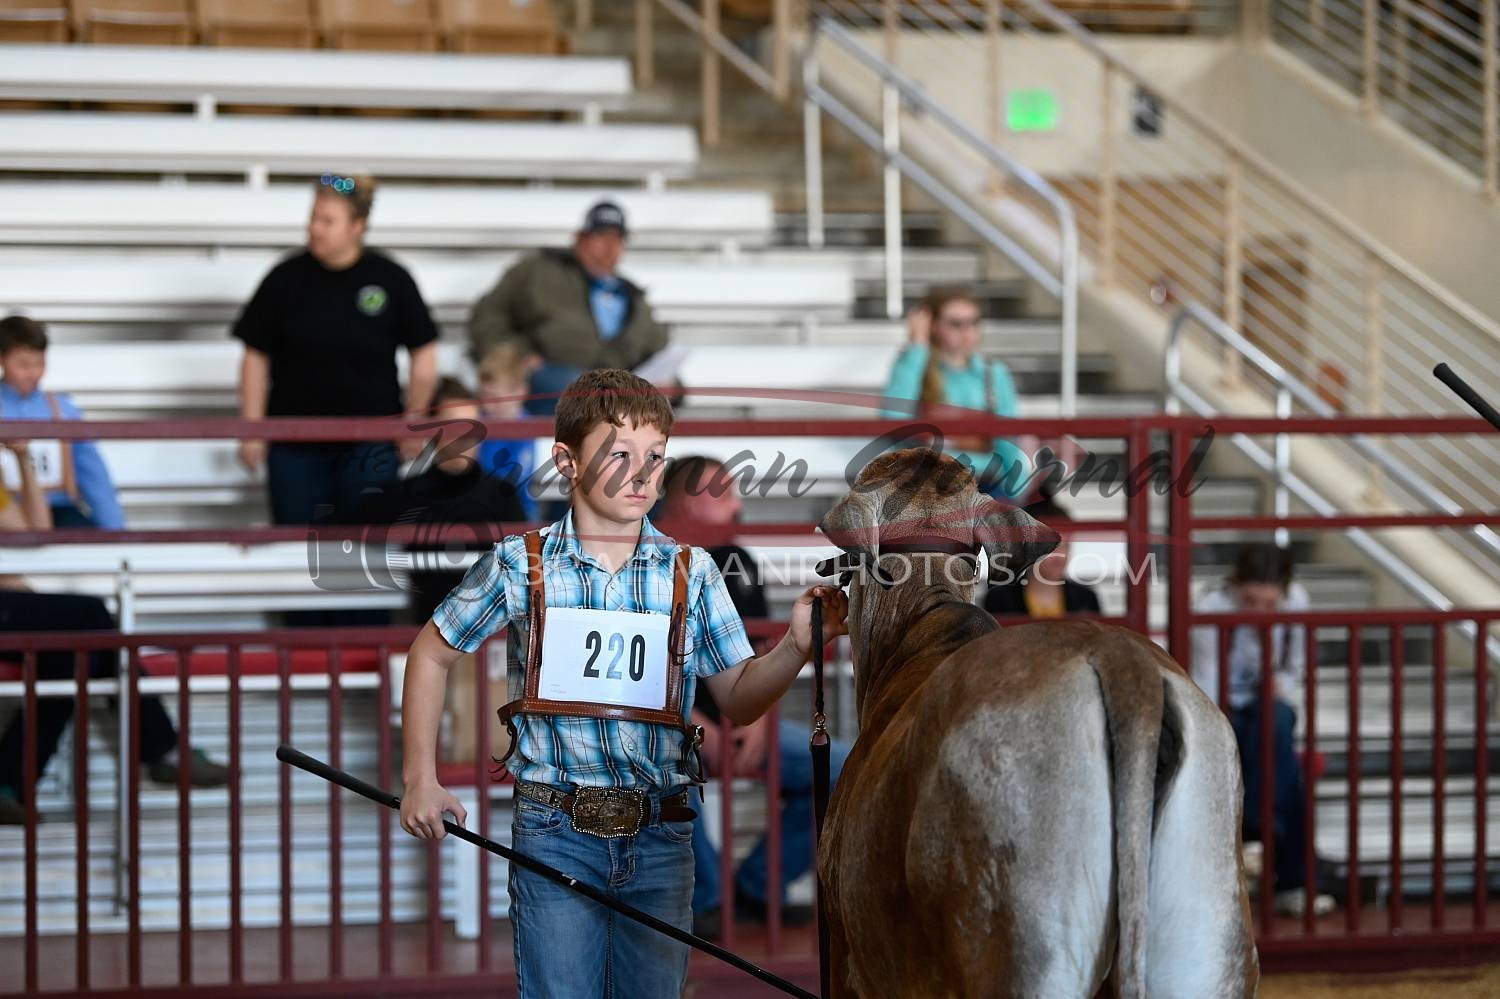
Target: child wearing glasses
942,366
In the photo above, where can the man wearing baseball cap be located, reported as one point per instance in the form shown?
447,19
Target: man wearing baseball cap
570,307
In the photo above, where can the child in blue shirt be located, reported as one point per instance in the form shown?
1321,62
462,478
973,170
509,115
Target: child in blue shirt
603,558
80,493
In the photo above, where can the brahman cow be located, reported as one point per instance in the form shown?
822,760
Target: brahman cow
1030,810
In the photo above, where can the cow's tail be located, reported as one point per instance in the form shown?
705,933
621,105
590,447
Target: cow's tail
1133,693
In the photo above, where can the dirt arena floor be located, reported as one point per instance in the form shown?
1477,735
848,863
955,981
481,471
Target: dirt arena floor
1447,983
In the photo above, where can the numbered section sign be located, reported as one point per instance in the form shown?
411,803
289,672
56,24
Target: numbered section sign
605,657
47,462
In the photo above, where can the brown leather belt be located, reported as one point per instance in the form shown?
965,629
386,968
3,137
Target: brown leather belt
607,811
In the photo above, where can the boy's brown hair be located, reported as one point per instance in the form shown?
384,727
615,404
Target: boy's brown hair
21,331
449,390
613,396
507,359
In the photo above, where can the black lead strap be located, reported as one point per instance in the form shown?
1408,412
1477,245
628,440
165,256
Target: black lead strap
301,760
820,767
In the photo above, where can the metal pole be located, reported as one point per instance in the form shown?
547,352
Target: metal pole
709,80
1282,500
125,818
1491,66
1370,96
645,43
891,134
812,149
781,47
992,104
1233,264
1374,365
1108,181
889,23
1402,46
1069,301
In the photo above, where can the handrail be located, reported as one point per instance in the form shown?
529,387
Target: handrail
725,48
907,92
1428,72
1403,474
1249,157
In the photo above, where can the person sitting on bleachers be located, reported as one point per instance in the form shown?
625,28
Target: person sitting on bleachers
79,489
1044,590
1261,581
450,494
24,611
942,365
572,308
503,377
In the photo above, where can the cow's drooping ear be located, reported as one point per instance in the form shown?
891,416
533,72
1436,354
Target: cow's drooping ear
852,524
1013,539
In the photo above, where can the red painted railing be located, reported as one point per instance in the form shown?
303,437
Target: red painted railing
393,961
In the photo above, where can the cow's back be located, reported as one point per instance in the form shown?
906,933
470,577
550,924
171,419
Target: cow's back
958,824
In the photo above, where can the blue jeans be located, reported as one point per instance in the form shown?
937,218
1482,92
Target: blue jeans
547,383
570,947
796,827
1288,803
341,478
330,483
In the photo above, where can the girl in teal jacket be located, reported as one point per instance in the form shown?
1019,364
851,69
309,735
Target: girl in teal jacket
942,366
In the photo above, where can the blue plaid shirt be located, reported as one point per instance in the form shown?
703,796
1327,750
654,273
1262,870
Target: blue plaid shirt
560,749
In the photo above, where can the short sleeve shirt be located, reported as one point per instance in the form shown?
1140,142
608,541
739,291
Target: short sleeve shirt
332,336
560,749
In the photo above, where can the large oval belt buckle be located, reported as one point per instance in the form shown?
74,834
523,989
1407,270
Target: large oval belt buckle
608,811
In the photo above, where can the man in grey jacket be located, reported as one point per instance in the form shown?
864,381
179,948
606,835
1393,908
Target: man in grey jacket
570,307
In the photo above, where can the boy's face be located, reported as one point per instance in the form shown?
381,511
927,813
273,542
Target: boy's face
24,368
502,397
616,473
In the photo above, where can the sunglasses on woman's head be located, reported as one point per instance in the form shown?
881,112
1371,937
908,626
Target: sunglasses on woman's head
340,184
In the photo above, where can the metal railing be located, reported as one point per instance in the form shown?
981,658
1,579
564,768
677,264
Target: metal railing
364,888
1143,17
1186,212
899,99
1430,66
1421,495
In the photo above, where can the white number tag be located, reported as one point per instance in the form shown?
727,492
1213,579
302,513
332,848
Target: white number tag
605,657
46,462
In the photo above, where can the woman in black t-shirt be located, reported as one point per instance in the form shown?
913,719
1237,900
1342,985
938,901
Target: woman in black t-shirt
321,336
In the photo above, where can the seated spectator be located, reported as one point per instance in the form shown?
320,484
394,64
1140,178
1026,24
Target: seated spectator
942,366
1261,581
1044,589
24,611
450,495
503,378
74,476
572,308
695,491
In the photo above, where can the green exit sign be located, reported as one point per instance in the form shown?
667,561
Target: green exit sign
1033,110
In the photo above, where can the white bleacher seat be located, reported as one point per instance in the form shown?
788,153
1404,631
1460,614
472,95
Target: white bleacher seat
319,78
253,146
72,213
169,290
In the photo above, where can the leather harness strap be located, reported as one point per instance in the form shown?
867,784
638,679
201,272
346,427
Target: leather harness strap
530,701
